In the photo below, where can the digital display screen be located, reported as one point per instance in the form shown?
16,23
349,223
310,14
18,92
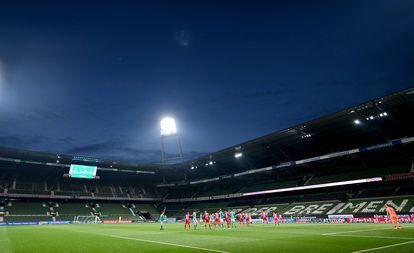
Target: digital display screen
82,171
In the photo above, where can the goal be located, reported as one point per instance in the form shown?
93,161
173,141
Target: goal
83,219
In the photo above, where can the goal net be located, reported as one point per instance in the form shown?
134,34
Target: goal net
83,219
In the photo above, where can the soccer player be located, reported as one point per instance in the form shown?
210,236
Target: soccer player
187,221
248,219
163,219
221,216
233,219
206,220
212,220
241,218
264,217
275,219
227,219
393,216
244,218
195,221
217,220
201,218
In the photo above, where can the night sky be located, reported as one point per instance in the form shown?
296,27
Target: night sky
95,78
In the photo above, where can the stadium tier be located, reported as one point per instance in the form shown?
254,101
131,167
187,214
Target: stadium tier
356,207
19,210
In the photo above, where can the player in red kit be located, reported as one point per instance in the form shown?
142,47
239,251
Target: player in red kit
187,221
275,219
240,218
216,220
264,218
206,220
227,219
248,219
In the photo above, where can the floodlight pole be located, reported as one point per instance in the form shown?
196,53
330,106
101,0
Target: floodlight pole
162,150
180,155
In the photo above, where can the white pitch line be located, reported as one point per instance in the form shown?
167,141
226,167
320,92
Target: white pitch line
355,231
380,237
170,244
383,247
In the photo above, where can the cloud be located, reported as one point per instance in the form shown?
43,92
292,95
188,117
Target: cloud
121,151
21,141
183,38
66,140
47,114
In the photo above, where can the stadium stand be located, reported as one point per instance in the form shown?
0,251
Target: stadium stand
318,208
342,168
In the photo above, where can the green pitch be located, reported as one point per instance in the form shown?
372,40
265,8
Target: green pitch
118,238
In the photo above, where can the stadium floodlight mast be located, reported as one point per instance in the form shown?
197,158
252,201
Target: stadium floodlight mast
169,130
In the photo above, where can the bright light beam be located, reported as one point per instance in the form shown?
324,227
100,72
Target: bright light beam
168,126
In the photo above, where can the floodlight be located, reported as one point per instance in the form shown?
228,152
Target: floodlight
168,126
238,155
385,113
210,163
357,122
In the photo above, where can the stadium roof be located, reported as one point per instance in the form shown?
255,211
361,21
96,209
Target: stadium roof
373,122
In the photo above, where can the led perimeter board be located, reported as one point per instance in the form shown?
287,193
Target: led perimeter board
82,171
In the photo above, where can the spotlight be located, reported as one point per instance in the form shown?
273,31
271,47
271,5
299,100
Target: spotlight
357,122
238,155
168,126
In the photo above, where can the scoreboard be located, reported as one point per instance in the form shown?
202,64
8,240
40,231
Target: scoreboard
82,171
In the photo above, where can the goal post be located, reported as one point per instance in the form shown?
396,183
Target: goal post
85,219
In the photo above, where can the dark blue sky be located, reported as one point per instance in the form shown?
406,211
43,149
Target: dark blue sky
95,78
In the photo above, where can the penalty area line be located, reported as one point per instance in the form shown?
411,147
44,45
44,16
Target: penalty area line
383,247
356,231
167,243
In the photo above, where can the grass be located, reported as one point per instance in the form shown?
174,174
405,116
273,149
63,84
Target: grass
128,238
